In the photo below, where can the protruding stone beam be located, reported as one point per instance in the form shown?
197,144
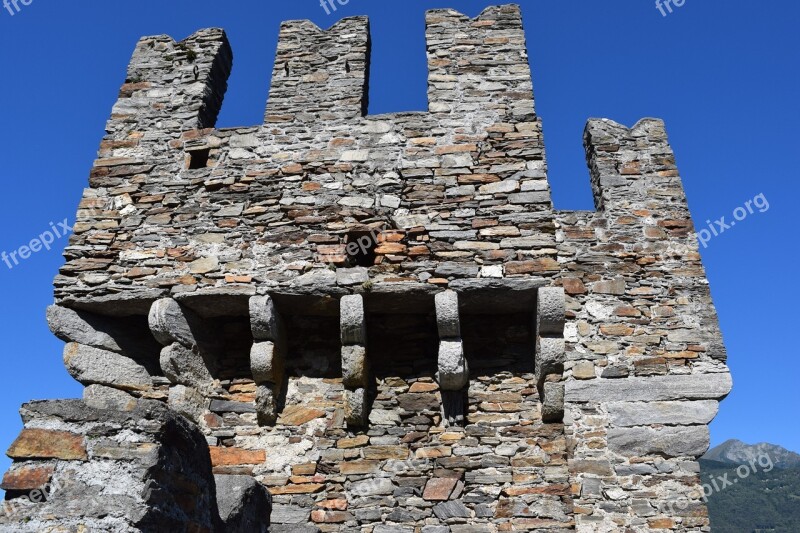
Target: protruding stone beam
190,352
550,351
355,365
267,357
453,374
127,338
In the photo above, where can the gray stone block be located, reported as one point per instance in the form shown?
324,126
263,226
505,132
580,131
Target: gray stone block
355,367
628,414
448,510
244,504
553,402
266,405
70,326
356,412
453,372
656,388
550,356
347,277
102,397
550,311
267,362
188,402
690,441
373,487
92,366
265,322
184,366
170,323
447,315
352,320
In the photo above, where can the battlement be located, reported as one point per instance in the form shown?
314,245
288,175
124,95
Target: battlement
382,319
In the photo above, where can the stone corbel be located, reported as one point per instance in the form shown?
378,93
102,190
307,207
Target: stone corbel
189,356
267,357
453,372
355,365
550,351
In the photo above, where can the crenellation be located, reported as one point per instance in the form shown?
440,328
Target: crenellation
320,75
378,322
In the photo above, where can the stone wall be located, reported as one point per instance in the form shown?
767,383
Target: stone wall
382,319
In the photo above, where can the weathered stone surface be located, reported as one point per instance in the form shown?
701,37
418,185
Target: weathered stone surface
172,323
265,322
127,337
92,366
353,323
355,368
187,401
356,412
453,371
48,444
439,489
221,456
550,355
447,315
299,415
550,311
692,441
658,388
448,510
102,397
244,504
27,477
267,362
626,414
553,402
373,487
185,366
266,405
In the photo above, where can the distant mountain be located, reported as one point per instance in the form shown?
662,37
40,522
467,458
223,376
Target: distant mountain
764,499
736,452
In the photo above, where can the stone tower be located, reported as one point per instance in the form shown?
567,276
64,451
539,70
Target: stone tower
342,322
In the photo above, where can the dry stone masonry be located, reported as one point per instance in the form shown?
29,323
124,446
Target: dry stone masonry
337,322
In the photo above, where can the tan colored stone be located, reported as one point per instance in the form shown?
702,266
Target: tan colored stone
48,444
439,489
329,517
297,415
221,456
339,504
355,442
358,467
421,387
584,370
305,488
27,478
386,452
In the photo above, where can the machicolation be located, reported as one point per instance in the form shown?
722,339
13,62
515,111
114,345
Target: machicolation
340,322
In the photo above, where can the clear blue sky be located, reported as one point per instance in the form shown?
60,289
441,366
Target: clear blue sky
724,76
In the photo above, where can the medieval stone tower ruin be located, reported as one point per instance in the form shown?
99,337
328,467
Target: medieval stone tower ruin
341,322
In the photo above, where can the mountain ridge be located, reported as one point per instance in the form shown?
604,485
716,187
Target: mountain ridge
736,452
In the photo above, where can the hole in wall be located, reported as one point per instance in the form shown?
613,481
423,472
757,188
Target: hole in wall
199,159
360,248
403,345
498,343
